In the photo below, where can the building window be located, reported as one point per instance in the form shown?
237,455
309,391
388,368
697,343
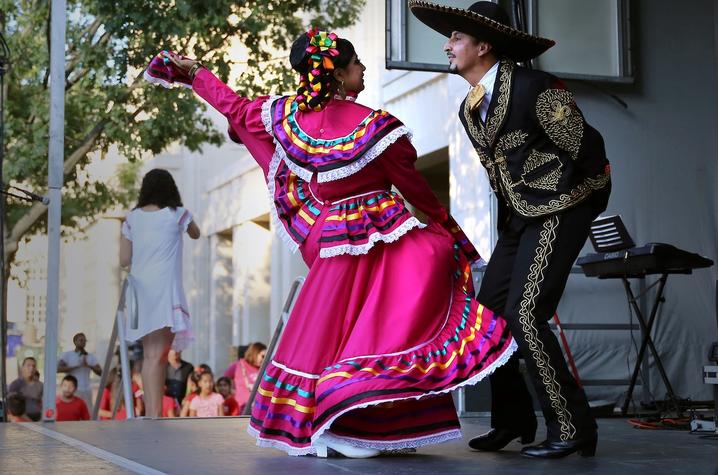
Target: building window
592,37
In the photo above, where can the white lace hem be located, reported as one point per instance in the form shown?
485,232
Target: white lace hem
406,443
409,443
370,155
272,171
161,82
357,250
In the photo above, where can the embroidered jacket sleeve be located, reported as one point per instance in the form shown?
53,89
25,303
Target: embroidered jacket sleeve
244,115
560,118
398,163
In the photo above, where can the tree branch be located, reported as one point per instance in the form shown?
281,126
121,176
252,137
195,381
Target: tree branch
74,61
24,224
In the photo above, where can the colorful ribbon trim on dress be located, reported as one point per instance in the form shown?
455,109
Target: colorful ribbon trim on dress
297,210
320,155
352,226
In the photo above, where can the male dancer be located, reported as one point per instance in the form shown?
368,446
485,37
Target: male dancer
549,171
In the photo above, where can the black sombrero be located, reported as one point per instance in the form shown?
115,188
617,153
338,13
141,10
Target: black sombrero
485,20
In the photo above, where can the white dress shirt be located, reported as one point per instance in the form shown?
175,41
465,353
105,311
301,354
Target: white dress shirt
488,82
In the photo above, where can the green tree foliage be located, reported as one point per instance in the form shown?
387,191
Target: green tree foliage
107,102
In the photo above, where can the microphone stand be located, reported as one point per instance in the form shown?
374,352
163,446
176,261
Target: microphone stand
4,64
26,195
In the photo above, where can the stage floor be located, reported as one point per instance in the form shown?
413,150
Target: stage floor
222,446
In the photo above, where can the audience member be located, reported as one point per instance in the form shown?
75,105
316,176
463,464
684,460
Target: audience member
193,387
170,407
246,372
176,375
112,394
16,408
29,385
80,364
207,403
224,388
229,372
69,406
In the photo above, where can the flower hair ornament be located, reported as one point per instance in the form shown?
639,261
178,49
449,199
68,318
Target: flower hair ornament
314,85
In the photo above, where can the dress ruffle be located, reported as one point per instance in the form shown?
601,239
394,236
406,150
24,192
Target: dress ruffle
354,225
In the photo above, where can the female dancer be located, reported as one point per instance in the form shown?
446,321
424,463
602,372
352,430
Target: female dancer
385,325
151,245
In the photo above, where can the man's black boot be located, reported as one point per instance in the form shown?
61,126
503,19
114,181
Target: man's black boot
497,439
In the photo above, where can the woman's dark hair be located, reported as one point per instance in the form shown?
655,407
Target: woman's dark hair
301,61
224,379
196,375
159,188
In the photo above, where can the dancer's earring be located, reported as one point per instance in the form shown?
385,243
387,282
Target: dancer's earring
342,92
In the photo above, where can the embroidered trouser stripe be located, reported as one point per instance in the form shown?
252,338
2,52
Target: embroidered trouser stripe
524,281
527,321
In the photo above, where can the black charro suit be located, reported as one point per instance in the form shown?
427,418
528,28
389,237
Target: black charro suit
550,174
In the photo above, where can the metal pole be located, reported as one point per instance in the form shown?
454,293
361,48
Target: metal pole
4,61
105,370
124,359
55,179
298,282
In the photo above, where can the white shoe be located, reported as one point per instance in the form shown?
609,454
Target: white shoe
343,448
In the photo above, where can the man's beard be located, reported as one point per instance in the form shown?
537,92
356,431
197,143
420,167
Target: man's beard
453,68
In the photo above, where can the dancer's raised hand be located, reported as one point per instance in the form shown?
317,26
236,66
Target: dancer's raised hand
184,64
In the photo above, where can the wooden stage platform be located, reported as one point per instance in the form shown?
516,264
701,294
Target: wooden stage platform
222,446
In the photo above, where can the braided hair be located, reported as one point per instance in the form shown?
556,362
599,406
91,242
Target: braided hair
314,56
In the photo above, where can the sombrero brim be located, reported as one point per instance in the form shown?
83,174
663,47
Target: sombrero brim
516,44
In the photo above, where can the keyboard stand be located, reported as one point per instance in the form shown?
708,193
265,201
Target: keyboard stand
646,341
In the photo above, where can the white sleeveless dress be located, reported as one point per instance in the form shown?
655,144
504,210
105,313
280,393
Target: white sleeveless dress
156,273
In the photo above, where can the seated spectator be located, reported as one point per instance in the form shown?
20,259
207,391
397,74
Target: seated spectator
138,392
16,408
246,371
69,406
192,388
112,395
224,388
176,374
170,407
207,403
29,385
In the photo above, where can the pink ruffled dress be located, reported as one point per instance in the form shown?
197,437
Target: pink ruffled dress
385,325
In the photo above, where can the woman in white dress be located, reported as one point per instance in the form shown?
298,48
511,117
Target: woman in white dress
151,245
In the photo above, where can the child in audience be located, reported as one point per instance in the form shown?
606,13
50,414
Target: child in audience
207,403
224,388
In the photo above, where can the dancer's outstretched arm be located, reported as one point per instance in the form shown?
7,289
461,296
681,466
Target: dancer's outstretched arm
244,115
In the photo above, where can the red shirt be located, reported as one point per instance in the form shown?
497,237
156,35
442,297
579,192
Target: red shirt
230,406
105,403
75,410
167,404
